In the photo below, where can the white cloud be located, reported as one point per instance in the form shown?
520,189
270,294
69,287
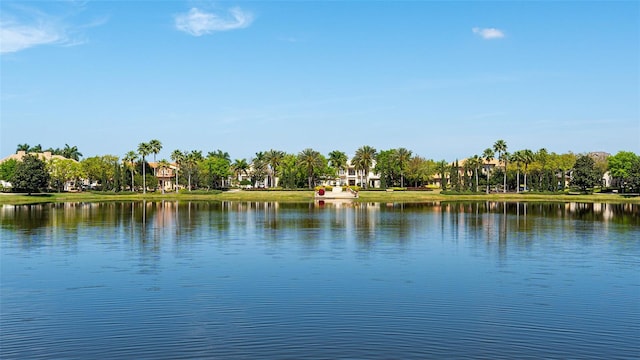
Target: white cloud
23,27
197,22
16,37
488,33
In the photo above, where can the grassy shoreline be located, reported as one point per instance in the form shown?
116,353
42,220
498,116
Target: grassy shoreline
307,196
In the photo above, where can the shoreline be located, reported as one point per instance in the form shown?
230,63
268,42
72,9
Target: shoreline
308,196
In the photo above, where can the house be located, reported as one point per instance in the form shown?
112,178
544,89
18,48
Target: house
166,175
351,177
46,156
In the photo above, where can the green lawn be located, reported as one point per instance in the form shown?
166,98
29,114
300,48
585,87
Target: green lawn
304,196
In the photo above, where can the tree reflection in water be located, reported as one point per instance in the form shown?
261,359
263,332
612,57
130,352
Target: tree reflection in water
149,223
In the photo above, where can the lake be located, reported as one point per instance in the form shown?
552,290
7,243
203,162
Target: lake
247,280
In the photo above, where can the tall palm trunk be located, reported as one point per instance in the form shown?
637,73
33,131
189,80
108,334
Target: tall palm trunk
476,174
488,180
504,181
144,177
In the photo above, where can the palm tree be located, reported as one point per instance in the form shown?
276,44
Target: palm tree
441,168
488,155
155,146
144,149
500,147
219,154
23,147
178,158
527,158
338,160
258,168
310,160
71,152
273,159
363,161
162,165
475,162
130,158
191,161
517,158
240,166
402,157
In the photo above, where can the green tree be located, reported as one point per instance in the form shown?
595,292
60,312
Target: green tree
30,175
289,171
338,161
634,176
310,161
585,175
402,156
144,149
620,167
178,158
7,169
129,160
70,152
420,170
259,168
564,163
273,159
63,170
454,176
23,147
239,167
93,168
527,157
190,162
475,162
217,168
363,162
500,147
55,151
154,147
387,167
487,156
101,169
517,158
442,167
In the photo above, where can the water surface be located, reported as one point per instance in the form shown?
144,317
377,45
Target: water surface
252,280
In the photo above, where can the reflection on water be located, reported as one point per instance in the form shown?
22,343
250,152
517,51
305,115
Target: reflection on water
319,280
170,213
149,221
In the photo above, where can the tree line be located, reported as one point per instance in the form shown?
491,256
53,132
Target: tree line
495,169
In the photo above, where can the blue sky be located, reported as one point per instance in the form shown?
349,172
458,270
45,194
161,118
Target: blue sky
443,79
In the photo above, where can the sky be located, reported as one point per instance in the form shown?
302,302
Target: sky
442,79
